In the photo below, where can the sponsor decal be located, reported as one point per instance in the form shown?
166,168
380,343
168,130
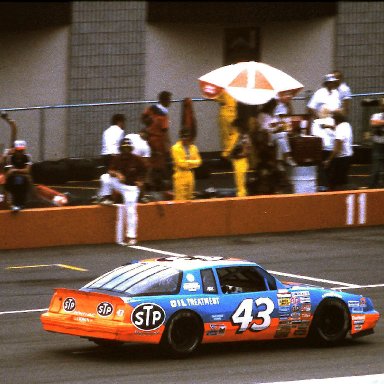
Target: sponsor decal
286,301
191,287
104,309
218,317
120,312
82,319
216,330
148,316
353,303
306,307
197,257
189,277
69,304
300,332
194,302
363,302
300,293
84,314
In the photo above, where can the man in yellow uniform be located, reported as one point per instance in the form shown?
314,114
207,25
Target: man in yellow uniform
185,157
227,114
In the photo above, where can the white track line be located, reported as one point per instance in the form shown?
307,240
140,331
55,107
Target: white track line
24,311
368,379
361,286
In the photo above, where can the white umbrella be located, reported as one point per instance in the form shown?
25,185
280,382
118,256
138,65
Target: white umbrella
249,82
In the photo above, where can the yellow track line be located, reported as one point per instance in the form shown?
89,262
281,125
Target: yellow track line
49,265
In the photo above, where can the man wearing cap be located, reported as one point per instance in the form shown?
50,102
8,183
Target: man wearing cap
185,157
377,127
18,175
126,175
326,99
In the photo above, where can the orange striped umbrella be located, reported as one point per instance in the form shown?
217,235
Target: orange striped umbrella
249,82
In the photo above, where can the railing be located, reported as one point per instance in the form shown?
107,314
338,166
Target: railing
359,118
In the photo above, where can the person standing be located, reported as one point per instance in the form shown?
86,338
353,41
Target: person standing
141,148
127,172
156,120
338,163
185,157
227,116
377,131
112,137
326,99
18,180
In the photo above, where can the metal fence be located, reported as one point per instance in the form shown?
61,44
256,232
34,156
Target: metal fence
86,143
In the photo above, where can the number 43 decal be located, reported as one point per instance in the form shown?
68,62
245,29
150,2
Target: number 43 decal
244,318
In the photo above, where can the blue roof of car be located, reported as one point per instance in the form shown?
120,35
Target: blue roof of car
197,262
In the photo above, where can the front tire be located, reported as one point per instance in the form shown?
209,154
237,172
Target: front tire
182,335
330,324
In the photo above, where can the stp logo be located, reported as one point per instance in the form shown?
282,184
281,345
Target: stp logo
104,309
69,304
147,317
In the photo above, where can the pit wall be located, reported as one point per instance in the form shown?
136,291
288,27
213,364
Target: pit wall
45,227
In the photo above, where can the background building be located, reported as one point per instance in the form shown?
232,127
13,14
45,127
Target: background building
55,54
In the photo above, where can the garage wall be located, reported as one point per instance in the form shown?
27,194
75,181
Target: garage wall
177,54
33,72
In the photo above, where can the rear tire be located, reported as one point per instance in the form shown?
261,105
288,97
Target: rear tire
330,324
182,335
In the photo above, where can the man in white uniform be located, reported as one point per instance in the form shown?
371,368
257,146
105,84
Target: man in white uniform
339,160
112,137
326,99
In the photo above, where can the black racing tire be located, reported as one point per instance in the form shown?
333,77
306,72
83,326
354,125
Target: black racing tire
182,335
106,343
330,324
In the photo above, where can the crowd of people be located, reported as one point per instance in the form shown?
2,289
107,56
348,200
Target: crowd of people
255,140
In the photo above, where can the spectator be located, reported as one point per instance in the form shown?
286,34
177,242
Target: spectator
325,129
127,172
284,104
240,162
156,120
18,175
377,128
338,163
186,157
227,115
345,93
278,135
112,137
111,140
326,99
141,148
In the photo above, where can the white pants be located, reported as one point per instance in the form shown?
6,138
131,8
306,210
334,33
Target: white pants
282,144
130,195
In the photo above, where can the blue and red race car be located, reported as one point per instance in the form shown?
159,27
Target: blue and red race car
181,302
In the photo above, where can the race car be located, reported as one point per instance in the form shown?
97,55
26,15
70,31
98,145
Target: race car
182,302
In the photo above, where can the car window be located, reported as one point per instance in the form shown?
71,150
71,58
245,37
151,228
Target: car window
139,279
241,279
209,282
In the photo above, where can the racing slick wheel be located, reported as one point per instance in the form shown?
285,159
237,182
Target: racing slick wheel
330,324
182,334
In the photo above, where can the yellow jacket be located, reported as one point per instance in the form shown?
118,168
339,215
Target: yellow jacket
228,106
181,160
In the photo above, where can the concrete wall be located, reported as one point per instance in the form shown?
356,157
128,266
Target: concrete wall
33,228
178,54
34,72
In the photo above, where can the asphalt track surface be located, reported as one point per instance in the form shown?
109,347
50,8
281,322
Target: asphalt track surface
330,258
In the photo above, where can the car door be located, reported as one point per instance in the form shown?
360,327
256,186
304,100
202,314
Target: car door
250,303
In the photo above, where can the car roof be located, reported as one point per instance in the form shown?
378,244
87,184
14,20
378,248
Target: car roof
186,263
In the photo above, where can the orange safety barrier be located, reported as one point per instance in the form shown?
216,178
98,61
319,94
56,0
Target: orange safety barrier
44,227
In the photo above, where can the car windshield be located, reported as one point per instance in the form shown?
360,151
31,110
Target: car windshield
139,280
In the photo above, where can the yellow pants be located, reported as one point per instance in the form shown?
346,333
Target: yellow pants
183,185
240,168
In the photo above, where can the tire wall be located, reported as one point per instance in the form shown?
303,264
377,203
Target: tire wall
44,227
